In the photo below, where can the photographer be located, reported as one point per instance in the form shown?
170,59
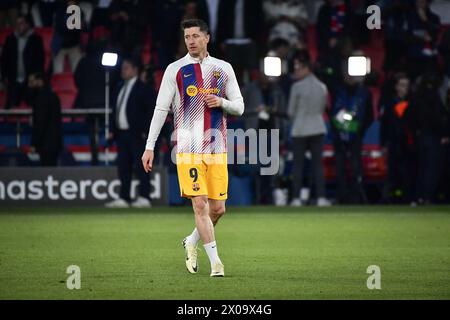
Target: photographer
265,109
351,115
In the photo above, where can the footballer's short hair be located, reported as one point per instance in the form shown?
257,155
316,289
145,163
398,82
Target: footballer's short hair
190,23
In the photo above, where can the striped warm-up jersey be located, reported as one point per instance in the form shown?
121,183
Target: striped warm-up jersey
198,128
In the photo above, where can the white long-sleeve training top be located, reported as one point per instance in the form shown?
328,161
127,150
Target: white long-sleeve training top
198,129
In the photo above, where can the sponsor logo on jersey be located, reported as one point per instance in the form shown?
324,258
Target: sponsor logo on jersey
192,91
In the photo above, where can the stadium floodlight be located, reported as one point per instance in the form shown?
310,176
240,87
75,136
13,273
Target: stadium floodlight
358,66
272,66
109,59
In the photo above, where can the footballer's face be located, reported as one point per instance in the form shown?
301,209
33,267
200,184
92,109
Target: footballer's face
196,41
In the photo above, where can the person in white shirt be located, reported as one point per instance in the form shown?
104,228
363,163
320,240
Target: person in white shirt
202,90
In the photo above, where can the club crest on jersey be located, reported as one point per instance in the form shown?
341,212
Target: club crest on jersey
192,91
216,74
195,186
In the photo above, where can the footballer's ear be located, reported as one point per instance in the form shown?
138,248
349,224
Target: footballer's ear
207,38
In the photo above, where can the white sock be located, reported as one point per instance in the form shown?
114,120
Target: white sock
194,237
211,250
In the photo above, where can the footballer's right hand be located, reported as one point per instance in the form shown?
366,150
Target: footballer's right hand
147,160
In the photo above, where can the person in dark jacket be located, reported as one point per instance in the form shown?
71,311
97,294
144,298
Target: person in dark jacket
89,79
397,136
430,124
132,110
351,116
238,36
333,24
46,138
396,34
22,55
65,42
423,28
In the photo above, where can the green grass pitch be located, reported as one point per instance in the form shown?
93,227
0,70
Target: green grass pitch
268,252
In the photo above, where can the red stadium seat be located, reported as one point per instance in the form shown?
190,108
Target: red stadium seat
84,39
146,56
47,34
376,93
67,98
100,32
4,33
311,42
63,82
2,99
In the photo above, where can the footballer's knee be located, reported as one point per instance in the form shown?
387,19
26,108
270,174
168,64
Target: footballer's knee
217,211
199,204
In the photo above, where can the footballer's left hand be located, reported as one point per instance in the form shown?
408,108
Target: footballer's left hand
213,101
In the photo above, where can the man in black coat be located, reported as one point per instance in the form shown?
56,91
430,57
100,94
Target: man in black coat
89,79
46,138
430,122
132,110
22,55
251,21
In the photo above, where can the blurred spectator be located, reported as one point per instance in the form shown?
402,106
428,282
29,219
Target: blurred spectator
165,18
89,79
9,10
333,23
351,115
129,22
133,110
208,11
281,48
444,48
100,14
445,176
43,12
307,103
46,138
286,19
147,76
22,55
328,66
265,103
424,27
430,121
397,136
65,42
191,11
265,108
395,34
359,32
239,32
88,10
